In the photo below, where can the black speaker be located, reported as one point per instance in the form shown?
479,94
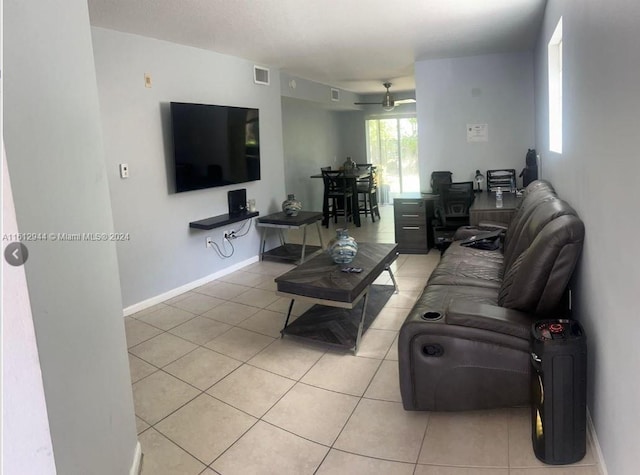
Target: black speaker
237,201
558,389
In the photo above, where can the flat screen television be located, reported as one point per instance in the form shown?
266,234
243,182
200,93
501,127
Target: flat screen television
214,145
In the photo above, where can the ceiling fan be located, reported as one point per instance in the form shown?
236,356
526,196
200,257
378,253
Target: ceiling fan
388,103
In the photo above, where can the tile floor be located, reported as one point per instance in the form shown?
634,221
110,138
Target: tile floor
216,390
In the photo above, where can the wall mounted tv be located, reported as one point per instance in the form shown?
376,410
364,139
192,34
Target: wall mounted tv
214,145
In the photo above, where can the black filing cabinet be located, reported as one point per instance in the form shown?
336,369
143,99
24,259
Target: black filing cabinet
413,216
558,387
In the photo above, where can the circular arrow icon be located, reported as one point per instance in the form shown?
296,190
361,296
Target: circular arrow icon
16,254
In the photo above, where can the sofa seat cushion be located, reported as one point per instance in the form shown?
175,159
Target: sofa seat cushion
457,251
468,267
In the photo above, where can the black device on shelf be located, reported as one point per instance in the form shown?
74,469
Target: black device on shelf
558,389
237,200
214,145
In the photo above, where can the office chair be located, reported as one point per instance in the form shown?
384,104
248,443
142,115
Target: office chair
438,179
452,211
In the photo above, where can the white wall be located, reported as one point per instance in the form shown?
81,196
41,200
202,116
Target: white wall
493,89
163,252
598,174
55,154
311,141
26,445
352,136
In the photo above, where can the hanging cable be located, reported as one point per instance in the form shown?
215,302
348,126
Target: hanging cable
227,238
220,252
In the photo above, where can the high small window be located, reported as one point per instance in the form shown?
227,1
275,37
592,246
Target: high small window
555,89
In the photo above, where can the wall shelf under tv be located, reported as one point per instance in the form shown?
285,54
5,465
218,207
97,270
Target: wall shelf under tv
222,220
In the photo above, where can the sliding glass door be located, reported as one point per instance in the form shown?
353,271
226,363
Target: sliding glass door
392,145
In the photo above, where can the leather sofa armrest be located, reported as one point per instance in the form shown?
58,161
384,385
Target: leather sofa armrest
489,317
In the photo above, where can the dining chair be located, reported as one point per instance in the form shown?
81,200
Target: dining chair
338,196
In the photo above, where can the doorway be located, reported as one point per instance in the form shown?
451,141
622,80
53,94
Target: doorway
392,145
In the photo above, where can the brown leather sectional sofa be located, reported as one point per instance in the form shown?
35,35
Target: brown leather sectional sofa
465,344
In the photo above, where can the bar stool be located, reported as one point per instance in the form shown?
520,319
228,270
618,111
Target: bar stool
368,194
337,196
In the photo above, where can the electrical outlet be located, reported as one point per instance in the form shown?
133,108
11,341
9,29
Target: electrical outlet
230,234
209,242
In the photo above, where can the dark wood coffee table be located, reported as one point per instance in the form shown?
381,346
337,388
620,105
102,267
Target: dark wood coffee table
341,314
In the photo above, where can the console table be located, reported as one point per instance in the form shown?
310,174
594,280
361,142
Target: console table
287,251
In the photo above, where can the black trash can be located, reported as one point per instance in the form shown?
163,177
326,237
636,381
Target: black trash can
558,389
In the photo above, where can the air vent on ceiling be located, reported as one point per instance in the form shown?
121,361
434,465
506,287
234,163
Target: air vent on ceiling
261,75
335,94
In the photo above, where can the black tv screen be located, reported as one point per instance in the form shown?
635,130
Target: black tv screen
214,145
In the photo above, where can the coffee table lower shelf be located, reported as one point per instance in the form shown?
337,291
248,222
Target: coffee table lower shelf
339,326
291,252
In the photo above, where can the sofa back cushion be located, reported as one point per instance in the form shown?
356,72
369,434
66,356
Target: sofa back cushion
536,193
536,279
543,213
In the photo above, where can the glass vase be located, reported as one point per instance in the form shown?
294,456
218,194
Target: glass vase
349,166
342,248
291,206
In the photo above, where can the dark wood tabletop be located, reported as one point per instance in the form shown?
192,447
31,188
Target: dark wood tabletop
358,175
321,278
281,218
487,201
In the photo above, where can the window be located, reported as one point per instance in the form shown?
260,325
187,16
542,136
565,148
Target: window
555,89
392,145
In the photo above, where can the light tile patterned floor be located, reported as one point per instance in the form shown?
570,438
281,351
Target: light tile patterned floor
217,392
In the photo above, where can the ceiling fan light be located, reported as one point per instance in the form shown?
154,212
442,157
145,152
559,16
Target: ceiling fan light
387,103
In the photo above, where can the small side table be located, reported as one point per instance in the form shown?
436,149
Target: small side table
287,251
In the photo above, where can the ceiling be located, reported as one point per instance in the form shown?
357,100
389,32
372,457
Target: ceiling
355,45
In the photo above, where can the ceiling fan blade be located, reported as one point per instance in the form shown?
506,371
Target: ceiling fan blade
405,101
367,103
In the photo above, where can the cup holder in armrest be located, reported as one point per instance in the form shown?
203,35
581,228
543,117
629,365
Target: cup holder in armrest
431,316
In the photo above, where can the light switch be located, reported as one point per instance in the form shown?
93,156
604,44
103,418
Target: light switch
124,170
147,80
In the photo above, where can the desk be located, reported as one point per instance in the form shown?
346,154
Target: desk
413,215
352,178
484,208
287,251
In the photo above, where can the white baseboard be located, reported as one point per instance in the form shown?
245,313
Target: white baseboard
136,466
185,288
591,429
